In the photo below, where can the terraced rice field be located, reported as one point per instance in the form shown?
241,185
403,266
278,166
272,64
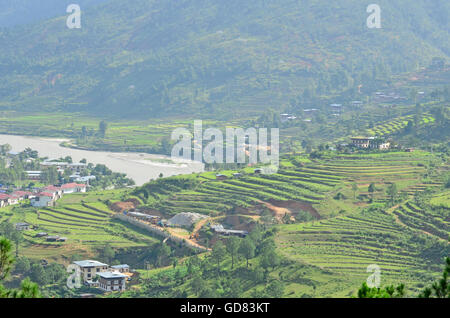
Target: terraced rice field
216,197
408,243
396,125
433,222
441,200
349,244
86,224
308,181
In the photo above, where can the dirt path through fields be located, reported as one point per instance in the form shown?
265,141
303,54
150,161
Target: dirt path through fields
279,212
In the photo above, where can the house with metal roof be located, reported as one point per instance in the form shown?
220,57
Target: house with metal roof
124,268
89,269
112,281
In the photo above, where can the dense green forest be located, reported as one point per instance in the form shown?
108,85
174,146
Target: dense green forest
211,58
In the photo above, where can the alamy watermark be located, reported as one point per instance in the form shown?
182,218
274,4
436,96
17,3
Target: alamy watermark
374,19
374,280
74,279
74,19
239,146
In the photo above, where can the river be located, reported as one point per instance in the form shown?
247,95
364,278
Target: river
138,166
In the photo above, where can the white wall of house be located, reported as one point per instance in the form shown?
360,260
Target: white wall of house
41,201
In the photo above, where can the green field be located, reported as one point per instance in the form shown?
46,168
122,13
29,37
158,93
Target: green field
84,219
349,233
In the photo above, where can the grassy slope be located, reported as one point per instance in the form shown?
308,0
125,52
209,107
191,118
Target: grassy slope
332,254
86,222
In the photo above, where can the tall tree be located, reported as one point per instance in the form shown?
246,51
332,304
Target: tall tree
6,260
102,127
28,289
392,192
354,189
372,190
247,249
218,254
17,238
233,248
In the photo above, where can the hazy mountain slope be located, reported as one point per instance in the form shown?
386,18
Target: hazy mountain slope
212,57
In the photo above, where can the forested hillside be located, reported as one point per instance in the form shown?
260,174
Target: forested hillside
210,57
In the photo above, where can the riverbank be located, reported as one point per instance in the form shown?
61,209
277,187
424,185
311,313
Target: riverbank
141,167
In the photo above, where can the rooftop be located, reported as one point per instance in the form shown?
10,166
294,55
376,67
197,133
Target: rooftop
112,275
363,138
120,266
89,263
72,185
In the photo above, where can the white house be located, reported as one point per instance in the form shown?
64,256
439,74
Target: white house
23,195
89,269
34,175
43,199
73,188
56,191
124,268
4,200
13,200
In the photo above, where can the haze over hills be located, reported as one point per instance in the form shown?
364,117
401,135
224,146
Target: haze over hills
213,58
361,184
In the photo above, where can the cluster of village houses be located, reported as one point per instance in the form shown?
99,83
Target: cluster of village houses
44,197
105,277
75,168
48,195
336,109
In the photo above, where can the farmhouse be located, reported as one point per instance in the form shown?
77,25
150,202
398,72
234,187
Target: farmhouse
124,268
62,166
56,191
112,281
56,238
362,142
43,199
89,269
34,175
221,177
22,195
22,226
78,178
219,229
73,188
370,143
